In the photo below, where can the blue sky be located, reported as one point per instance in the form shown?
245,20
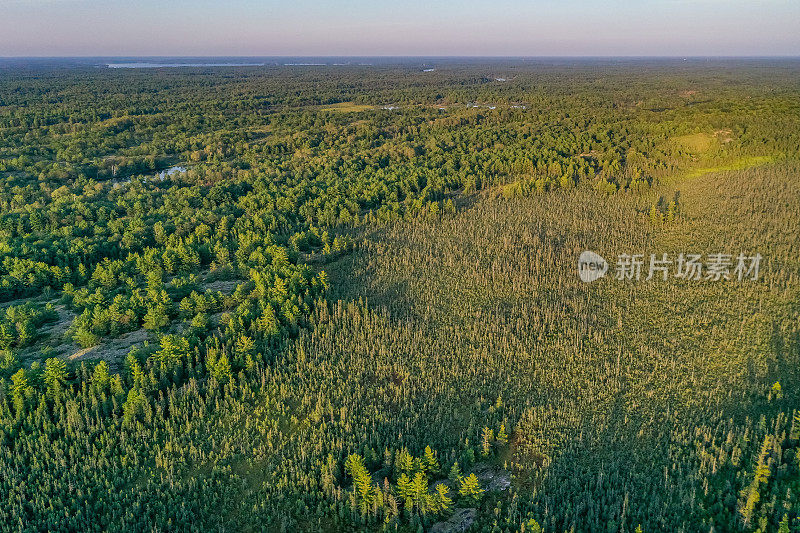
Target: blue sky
398,27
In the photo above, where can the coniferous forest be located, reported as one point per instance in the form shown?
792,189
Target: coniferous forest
347,298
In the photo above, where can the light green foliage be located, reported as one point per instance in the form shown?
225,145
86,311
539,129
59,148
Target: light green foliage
429,461
763,468
55,374
502,437
100,376
455,473
173,351
470,488
487,436
133,406
362,482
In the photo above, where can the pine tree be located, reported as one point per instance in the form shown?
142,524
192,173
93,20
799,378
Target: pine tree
133,405
19,383
442,499
470,488
134,368
327,478
404,462
8,361
502,438
221,369
405,490
6,337
429,461
455,473
55,373
174,350
655,214
420,489
156,318
532,526
244,345
671,211
487,436
752,493
362,482
268,323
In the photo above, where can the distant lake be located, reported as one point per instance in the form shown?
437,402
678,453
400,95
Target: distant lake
174,65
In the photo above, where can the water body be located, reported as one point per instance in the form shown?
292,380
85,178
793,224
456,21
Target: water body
170,171
177,65
161,176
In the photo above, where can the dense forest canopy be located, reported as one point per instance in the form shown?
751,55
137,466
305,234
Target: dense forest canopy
344,297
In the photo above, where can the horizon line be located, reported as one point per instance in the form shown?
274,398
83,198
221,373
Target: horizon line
417,56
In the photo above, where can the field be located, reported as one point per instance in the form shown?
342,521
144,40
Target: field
360,309
347,107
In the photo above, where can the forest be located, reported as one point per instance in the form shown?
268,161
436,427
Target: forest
346,297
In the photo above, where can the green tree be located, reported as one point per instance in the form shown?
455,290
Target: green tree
420,490
133,405
6,337
502,437
655,214
405,490
783,527
470,488
404,462
174,350
487,437
442,499
156,318
220,368
268,323
362,482
55,374
244,346
455,473
531,526
101,377
671,211
19,383
8,362
429,461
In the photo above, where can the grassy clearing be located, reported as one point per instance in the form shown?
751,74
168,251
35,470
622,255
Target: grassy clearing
741,163
347,107
737,164
696,142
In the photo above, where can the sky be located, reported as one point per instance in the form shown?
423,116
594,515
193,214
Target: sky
399,28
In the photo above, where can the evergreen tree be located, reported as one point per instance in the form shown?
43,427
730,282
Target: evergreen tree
443,502
404,462
429,462
487,437
502,438
470,488
55,374
405,491
455,474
